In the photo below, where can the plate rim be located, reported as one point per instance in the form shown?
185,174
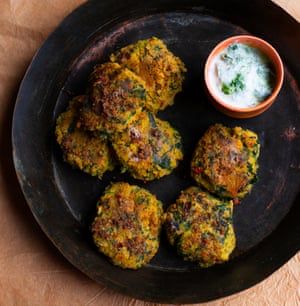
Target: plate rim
23,181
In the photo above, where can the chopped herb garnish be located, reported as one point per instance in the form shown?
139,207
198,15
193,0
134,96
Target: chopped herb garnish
139,92
157,48
254,180
237,84
152,120
140,200
178,145
72,126
164,162
250,168
226,58
232,47
226,89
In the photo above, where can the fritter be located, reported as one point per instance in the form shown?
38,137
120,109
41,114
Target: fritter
200,226
225,161
163,72
127,225
116,95
82,149
149,148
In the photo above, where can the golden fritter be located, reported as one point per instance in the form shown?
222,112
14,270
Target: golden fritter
200,226
127,225
149,148
163,72
225,161
116,95
82,149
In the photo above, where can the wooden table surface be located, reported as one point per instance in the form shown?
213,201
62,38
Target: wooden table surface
32,272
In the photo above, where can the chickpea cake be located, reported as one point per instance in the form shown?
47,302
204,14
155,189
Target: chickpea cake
149,148
127,225
81,149
225,161
116,95
199,226
162,71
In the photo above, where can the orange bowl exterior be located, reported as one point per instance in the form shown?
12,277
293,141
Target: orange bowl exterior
275,59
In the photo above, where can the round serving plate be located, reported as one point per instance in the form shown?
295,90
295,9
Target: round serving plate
63,200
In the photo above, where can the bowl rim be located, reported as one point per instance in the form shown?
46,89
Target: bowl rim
241,38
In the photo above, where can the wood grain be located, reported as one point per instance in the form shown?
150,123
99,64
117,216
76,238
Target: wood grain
32,272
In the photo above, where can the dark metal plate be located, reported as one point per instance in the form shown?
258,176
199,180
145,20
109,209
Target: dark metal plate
63,200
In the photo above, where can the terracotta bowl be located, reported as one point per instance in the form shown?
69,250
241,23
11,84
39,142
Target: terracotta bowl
276,61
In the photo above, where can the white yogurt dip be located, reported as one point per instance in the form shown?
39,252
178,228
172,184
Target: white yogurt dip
241,76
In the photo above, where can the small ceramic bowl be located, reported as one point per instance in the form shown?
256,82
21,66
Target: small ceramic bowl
266,49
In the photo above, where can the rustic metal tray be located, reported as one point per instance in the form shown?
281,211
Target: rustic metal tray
63,199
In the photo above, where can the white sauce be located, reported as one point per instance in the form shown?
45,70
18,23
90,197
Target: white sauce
241,76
